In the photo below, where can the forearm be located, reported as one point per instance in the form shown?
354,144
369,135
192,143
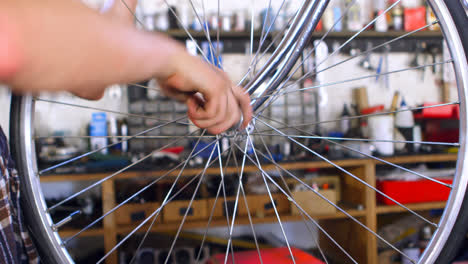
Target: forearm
63,45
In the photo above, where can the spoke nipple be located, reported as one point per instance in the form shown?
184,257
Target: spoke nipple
67,219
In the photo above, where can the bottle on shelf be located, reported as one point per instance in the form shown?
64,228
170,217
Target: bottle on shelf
381,24
397,17
354,18
425,236
345,123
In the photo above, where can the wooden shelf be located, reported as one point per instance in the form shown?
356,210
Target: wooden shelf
386,209
161,227
68,232
234,42
248,169
353,191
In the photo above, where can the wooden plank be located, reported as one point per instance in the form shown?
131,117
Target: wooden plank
353,190
233,170
195,171
349,235
125,229
371,215
110,234
386,209
68,232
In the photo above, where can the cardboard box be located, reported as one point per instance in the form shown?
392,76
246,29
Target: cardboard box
135,213
310,201
313,204
175,210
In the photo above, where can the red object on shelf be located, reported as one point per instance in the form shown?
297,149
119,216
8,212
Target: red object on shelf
418,191
175,150
319,26
440,123
438,112
371,110
271,255
415,18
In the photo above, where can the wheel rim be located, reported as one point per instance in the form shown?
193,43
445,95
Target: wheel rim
447,221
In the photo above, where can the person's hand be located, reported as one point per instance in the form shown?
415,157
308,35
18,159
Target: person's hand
213,101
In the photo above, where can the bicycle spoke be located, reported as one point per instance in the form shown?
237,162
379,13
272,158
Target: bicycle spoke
358,179
136,194
236,204
251,223
263,34
144,87
185,29
303,211
133,13
189,206
146,220
111,111
213,208
255,59
369,156
252,24
334,205
112,175
271,199
290,191
384,13
247,207
334,52
369,50
346,11
154,213
360,116
362,139
136,137
217,37
98,150
351,80
205,28
167,197
313,71
224,196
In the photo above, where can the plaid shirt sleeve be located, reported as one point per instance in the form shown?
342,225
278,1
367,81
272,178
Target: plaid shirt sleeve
16,246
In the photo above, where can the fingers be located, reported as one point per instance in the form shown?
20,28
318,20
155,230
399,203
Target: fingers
90,93
243,99
230,107
213,103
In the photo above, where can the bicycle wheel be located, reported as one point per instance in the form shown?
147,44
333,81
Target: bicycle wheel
274,80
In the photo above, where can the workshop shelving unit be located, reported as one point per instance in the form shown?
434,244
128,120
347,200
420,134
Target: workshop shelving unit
352,190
